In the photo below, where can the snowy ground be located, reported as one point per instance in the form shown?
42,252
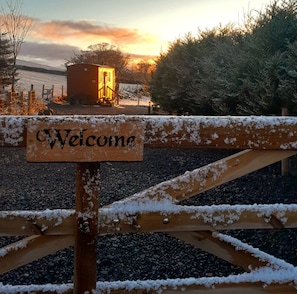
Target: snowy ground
131,93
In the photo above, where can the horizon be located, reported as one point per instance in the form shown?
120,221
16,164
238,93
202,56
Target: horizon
141,29
22,62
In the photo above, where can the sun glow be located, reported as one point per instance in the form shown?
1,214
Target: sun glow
138,29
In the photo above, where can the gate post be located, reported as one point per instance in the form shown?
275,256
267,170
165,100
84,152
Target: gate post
87,143
86,227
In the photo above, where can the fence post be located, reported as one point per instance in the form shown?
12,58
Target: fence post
86,227
285,162
23,102
10,102
13,98
31,101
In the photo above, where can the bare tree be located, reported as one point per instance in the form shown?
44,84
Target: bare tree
103,54
145,68
17,27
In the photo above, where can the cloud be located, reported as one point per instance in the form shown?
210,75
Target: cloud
55,54
58,41
51,51
83,30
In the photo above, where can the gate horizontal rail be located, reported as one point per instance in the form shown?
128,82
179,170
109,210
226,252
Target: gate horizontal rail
264,140
229,132
176,218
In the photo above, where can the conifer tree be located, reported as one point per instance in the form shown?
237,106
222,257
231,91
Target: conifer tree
233,70
17,27
5,61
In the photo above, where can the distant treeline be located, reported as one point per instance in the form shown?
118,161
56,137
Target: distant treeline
43,70
129,77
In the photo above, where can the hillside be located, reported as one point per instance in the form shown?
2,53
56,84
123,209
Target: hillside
36,67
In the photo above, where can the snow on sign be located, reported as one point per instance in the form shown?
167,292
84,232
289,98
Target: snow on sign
84,141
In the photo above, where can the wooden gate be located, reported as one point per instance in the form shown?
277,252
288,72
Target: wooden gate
261,141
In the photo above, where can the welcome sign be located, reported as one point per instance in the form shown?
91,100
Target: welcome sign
70,141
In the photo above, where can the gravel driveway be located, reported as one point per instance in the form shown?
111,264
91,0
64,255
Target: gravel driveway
30,186
38,186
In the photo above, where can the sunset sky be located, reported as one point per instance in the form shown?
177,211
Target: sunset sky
139,28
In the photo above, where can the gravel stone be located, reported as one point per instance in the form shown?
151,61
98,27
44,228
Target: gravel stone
38,186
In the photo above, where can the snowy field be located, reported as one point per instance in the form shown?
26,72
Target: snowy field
129,92
38,79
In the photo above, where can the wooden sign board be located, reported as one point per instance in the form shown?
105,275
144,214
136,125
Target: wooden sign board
70,141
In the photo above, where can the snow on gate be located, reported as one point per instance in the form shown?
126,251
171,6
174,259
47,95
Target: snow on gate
264,140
